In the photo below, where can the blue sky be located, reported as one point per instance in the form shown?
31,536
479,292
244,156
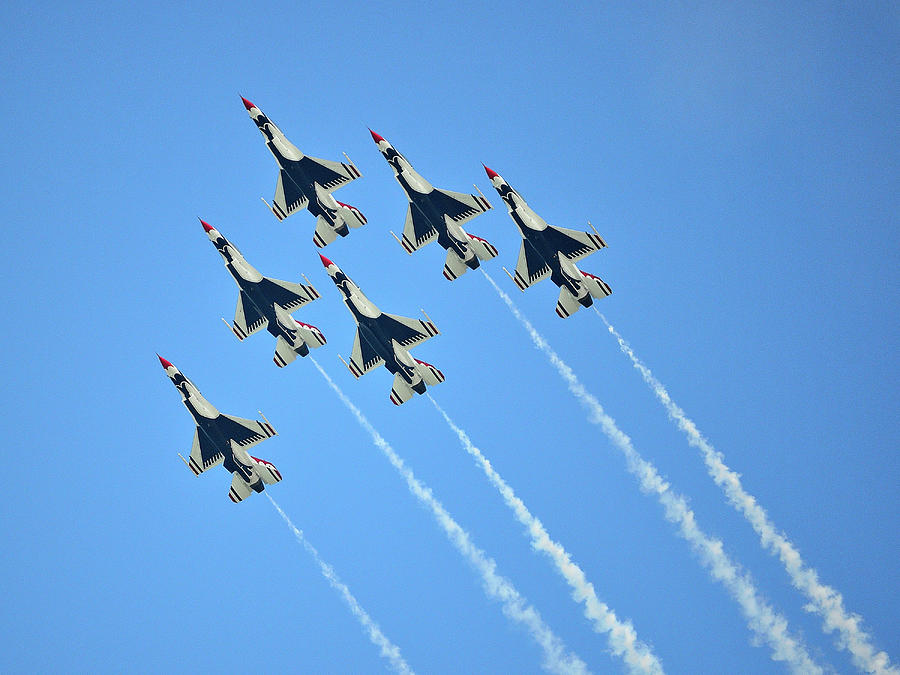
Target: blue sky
742,165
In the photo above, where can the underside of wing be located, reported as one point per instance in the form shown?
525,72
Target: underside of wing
531,267
247,318
204,455
459,206
417,231
572,243
363,358
286,294
288,197
246,433
330,175
407,332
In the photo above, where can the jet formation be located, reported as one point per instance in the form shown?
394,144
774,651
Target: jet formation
223,439
432,214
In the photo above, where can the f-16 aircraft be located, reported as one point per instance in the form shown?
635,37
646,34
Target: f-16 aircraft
552,251
385,339
267,303
307,183
435,214
223,439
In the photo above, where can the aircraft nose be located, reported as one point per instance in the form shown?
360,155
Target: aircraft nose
325,261
247,104
378,138
490,172
165,364
206,226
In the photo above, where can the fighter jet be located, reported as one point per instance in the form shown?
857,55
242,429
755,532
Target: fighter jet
552,251
385,339
438,214
267,303
223,439
307,183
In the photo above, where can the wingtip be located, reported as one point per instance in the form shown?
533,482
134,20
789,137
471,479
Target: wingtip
378,138
490,172
248,104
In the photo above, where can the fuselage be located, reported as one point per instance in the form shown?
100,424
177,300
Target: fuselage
424,200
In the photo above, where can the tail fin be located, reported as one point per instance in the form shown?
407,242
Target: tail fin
267,471
568,304
429,373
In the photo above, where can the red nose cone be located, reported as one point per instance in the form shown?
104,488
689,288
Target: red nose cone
206,226
491,173
326,261
247,104
165,364
376,137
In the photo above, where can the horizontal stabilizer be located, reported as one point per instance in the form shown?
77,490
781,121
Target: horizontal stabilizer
454,267
596,286
267,471
310,334
430,375
324,233
284,353
351,215
568,304
482,247
239,489
401,392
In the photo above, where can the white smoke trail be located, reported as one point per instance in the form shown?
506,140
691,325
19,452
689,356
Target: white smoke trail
762,619
824,600
388,650
623,640
556,659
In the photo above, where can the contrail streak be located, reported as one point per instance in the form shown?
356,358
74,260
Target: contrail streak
388,650
761,618
623,640
556,658
824,600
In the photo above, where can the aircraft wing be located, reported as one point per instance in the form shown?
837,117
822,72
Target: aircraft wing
204,455
363,358
288,295
573,244
531,267
459,206
330,175
407,332
246,433
288,196
417,231
247,319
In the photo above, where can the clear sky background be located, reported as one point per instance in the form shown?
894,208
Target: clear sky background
742,165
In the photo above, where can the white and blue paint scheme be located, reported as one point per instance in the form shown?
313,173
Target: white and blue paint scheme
552,251
385,339
435,214
267,303
307,183
223,439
